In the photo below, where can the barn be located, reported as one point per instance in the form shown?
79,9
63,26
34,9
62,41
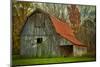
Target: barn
43,35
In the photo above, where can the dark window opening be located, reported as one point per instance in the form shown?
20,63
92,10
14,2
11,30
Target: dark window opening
39,40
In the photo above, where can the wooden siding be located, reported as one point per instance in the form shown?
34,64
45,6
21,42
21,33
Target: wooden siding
32,31
79,51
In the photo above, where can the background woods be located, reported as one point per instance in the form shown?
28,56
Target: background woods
19,15
82,20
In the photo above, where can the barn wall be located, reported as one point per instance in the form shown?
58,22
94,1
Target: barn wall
64,41
27,38
79,51
34,29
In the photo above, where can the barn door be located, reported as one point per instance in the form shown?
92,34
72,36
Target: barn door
66,50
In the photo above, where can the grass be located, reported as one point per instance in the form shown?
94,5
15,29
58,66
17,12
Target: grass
36,61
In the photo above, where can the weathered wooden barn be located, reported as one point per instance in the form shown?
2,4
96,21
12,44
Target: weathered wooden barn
40,38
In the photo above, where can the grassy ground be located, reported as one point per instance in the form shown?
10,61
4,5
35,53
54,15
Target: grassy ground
35,61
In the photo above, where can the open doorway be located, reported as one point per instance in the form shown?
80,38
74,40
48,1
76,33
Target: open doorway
66,50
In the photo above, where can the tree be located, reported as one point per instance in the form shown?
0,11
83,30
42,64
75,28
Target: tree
74,17
20,11
87,35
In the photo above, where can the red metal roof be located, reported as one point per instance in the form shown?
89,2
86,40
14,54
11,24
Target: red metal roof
65,31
